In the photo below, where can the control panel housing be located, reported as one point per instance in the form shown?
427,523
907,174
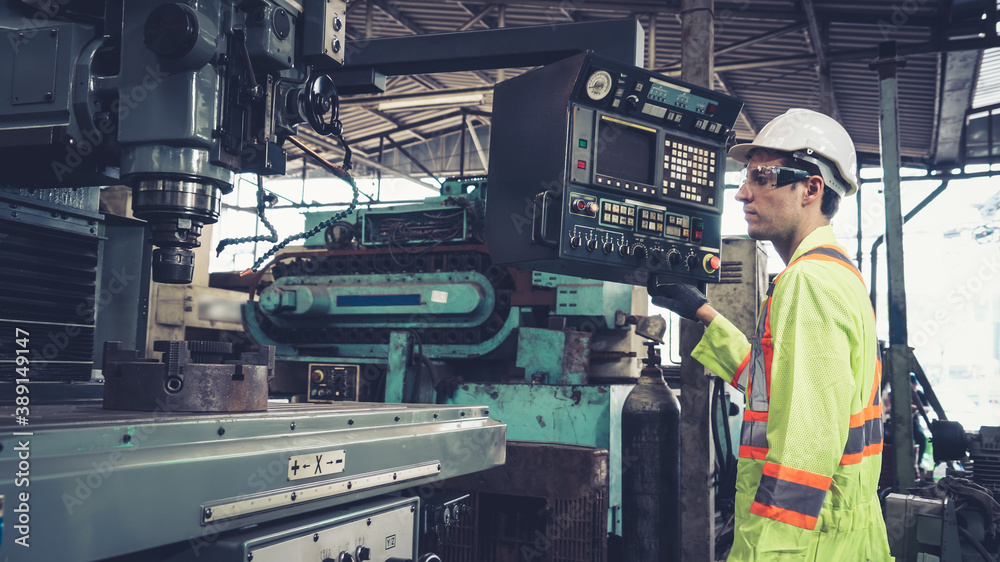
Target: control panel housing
384,528
330,382
603,170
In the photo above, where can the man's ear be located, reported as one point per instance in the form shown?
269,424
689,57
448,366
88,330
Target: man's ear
813,190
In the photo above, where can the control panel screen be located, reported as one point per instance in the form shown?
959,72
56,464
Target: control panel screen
678,96
625,151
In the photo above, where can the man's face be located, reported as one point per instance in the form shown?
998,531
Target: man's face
771,213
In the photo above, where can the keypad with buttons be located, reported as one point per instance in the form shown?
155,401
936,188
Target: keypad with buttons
650,221
617,214
689,172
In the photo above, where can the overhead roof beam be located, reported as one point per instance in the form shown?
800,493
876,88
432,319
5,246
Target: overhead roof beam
744,118
392,10
766,36
957,86
476,18
428,82
382,98
819,43
406,127
739,10
394,121
868,53
411,158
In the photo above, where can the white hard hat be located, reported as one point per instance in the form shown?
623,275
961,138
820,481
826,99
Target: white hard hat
806,135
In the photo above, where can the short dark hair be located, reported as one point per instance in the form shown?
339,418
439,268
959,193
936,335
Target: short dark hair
830,203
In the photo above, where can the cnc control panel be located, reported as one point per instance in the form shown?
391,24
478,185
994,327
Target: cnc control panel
629,185
333,382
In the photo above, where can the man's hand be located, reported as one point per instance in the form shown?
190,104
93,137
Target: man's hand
685,300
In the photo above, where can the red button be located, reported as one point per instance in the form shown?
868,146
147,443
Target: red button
715,262
581,204
581,164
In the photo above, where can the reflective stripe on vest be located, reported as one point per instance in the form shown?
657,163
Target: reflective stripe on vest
791,496
786,494
864,438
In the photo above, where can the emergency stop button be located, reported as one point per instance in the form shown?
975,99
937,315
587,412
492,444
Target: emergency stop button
585,207
711,263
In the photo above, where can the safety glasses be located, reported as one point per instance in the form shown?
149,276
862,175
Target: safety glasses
764,178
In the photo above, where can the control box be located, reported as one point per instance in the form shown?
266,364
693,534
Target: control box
333,382
604,170
382,529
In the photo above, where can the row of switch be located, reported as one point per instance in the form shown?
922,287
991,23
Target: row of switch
672,258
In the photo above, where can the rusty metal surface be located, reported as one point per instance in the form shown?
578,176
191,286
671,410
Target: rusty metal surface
193,377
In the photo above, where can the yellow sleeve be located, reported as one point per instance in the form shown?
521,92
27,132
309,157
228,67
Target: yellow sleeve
722,348
812,385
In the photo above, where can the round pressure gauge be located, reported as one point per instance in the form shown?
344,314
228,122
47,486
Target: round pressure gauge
598,85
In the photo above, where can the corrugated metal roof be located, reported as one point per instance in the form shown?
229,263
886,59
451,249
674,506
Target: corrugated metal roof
988,85
771,74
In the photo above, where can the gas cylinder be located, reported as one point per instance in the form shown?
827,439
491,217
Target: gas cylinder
651,467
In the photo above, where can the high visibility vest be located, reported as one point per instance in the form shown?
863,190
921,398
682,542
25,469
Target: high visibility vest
784,493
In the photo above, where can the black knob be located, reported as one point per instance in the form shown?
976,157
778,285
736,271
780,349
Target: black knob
632,101
674,258
575,241
591,245
625,251
692,261
639,252
657,259
346,557
363,553
608,247
171,30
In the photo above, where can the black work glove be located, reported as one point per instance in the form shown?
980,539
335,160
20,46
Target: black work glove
685,300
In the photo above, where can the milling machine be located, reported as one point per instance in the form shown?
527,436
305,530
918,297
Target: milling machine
187,458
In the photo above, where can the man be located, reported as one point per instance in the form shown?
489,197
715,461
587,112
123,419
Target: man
811,443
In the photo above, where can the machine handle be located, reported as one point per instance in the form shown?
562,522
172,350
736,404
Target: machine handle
539,226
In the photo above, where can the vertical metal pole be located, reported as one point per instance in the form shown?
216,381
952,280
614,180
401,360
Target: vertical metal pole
697,454
501,23
369,18
304,170
381,151
898,357
698,42
651,43
461,149
858,202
